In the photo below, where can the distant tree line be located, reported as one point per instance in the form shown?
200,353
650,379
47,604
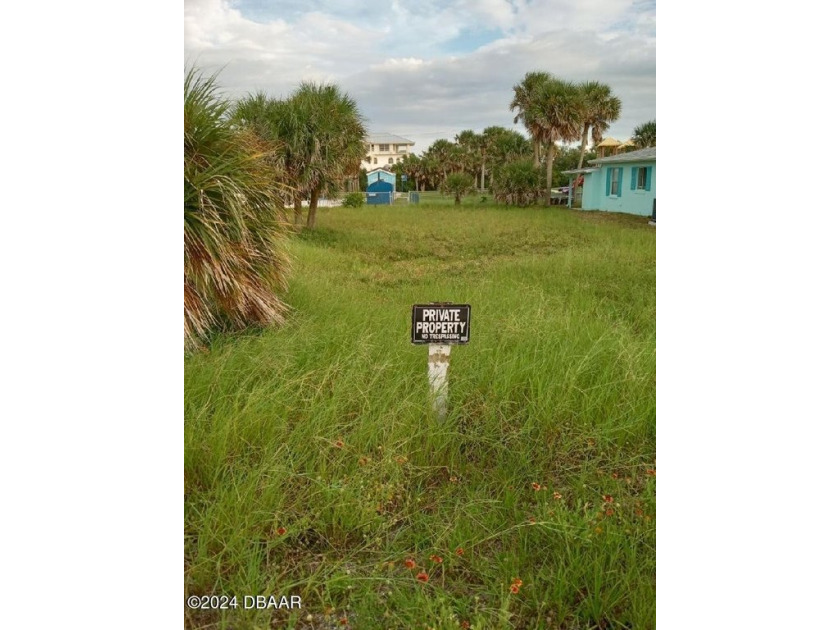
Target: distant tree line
518,169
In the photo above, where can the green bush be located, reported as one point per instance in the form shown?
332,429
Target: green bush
354,200
518,183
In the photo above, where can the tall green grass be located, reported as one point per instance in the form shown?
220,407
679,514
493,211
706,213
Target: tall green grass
322,429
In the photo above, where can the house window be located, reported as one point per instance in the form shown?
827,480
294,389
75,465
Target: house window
383,148
390,160
615,185
367,159
375,161
640,177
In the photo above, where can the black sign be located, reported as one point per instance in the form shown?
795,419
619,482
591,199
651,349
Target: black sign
440,323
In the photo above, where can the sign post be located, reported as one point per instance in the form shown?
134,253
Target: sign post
440,325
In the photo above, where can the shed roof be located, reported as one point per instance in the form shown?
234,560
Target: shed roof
386,138
647,154
575,171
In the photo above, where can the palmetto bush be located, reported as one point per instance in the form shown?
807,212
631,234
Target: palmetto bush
234,261
517,183
458,184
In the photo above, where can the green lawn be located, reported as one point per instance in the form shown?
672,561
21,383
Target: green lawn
314,466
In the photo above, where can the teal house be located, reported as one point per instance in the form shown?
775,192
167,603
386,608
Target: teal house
621,183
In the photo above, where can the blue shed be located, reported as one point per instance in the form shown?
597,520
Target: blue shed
621,183
380,192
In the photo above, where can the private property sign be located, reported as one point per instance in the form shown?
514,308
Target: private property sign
440,323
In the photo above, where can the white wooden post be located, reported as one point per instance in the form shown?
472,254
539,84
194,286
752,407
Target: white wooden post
438,382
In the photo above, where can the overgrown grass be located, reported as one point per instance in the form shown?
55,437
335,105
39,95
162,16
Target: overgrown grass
314,467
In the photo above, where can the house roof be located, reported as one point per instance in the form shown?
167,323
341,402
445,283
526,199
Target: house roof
386,138
648,154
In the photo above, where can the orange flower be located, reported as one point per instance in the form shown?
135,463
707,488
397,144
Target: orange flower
514,589
608,498
615,475
343,621
423,576
465,624
652,473
536,486
459,551
557,496
532,520
363,461
517,581
338,444
409,562
610,511
400,459
281,531
435,558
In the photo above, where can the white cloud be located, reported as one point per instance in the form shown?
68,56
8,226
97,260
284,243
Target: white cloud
396,64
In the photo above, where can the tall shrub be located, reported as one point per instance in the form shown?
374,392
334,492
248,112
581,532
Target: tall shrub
517,183
234,264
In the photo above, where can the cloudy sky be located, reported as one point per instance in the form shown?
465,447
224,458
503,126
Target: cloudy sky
428,69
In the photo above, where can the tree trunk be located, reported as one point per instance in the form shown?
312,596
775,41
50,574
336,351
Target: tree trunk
313,207
583,139
573,178
298,211
482,174
549,165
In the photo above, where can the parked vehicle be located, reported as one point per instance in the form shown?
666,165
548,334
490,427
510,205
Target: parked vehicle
560,196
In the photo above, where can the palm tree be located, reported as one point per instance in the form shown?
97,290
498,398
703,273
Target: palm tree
232,265
330,133
412,166
523,98
448,155
264,115
557,114
473,147
502,146
458,184
600,108
645,135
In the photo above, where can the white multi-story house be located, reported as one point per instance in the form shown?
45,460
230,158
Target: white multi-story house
384,149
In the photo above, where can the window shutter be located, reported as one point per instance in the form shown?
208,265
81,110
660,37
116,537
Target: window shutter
609,181
634,177
649,177
620,177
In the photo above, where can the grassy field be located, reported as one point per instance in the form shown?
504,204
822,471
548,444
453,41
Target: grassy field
313,465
